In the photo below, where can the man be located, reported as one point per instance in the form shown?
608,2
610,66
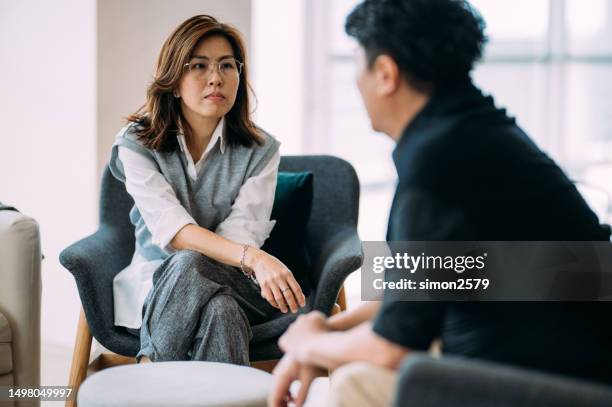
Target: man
466,172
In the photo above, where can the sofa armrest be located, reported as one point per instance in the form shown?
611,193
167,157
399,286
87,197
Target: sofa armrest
342,255
20,292
427,382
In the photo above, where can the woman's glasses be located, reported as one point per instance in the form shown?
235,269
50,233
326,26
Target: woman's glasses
202,68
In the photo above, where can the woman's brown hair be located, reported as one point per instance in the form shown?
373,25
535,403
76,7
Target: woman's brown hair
158,119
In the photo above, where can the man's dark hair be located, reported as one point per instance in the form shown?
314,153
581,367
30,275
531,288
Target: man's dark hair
434,42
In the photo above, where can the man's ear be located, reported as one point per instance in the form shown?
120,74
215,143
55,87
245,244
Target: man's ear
386,74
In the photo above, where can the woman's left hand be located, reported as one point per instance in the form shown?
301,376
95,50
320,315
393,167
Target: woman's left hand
277,283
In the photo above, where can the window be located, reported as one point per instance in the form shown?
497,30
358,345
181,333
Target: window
559,51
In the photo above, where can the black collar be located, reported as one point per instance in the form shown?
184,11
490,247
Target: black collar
448,107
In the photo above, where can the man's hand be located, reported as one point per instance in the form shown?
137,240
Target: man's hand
301,333
288,370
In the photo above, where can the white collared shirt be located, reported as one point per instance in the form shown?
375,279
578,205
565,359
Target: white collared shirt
194,167
248,222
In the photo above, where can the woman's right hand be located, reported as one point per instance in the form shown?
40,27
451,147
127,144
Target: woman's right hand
278,286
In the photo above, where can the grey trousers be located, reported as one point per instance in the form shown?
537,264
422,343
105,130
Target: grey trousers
200,309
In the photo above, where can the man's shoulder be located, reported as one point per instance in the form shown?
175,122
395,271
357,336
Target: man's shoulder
460,154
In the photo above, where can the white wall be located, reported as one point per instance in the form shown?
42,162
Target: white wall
47,138
278,70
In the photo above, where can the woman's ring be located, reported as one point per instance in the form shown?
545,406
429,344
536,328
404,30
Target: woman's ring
284,289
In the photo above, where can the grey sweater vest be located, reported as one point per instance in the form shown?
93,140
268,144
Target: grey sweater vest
209,199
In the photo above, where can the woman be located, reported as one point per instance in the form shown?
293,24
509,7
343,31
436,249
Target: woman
203,179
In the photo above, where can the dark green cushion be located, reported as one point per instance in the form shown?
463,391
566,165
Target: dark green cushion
291,210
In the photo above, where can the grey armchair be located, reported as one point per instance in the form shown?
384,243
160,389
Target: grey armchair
332,243
452,381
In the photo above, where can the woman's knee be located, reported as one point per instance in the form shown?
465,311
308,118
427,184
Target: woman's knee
190,264
181,273
196,263
188,258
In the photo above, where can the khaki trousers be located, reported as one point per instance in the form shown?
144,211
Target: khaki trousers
362,384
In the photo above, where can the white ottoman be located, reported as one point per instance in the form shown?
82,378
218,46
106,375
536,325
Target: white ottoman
176,384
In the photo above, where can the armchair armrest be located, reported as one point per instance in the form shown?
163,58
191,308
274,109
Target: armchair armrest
20,292
94,261
102,251
341,255
427,382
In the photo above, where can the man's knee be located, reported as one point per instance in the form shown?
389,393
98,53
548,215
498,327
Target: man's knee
349,375
358,383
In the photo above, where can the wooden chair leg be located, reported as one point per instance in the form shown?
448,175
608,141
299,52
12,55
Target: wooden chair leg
109,359
80,357
265,365
341,301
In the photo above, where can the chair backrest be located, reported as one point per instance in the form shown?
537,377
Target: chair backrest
115,204
335,202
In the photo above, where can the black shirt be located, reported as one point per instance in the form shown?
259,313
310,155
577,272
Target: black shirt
468,172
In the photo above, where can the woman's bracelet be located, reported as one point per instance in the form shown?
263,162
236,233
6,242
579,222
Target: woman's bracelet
245,270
